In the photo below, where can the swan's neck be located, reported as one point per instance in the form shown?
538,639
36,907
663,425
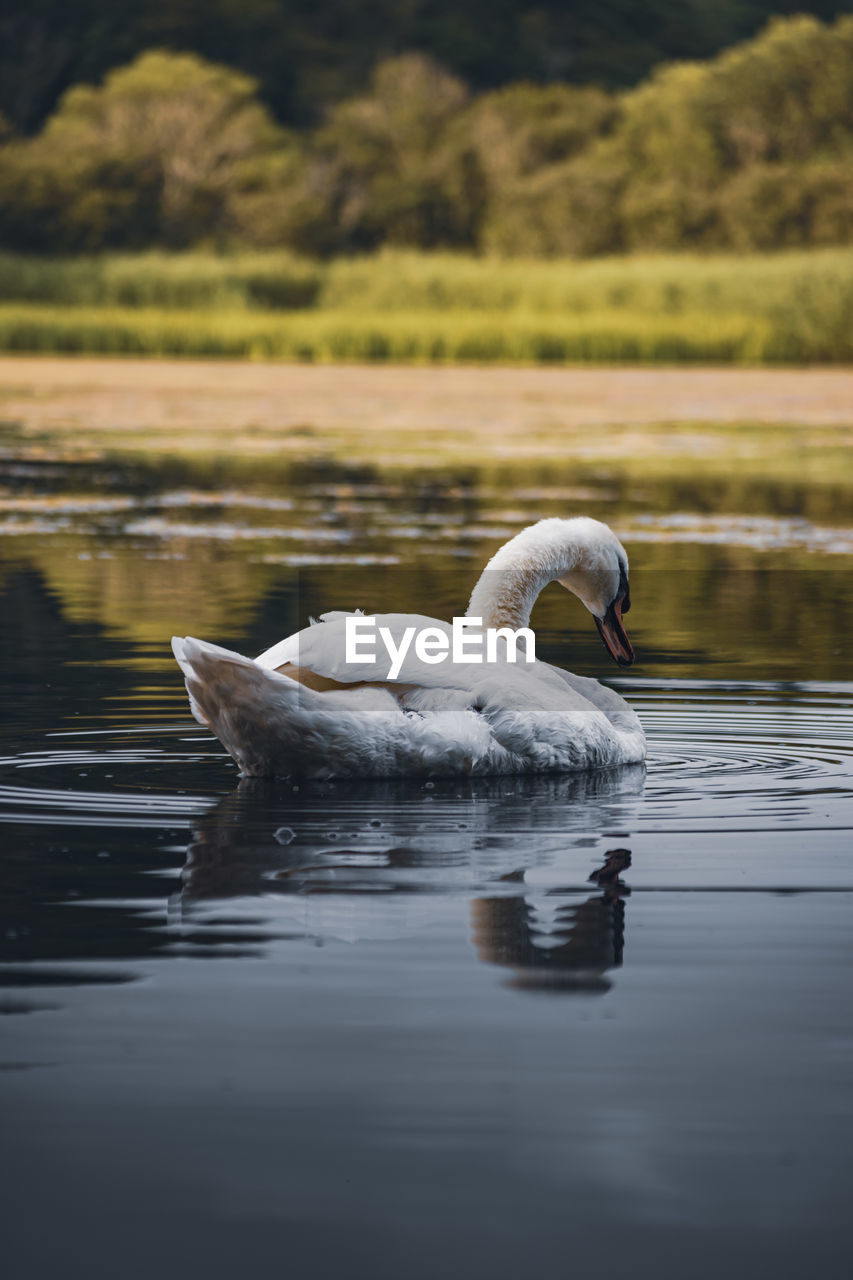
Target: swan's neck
515,575
565,551
504,597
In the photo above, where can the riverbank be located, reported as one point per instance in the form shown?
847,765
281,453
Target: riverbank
776,424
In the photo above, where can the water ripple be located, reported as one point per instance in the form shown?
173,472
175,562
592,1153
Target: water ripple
723,757
95,783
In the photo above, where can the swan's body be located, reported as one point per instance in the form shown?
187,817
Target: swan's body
302,708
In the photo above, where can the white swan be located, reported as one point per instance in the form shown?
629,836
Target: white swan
302,709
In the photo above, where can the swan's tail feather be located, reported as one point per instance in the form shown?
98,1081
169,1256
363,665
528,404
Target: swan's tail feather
271,724
180,648
251,710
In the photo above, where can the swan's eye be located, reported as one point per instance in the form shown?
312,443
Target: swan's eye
626,601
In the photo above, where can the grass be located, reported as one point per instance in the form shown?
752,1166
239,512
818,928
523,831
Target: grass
403,337
424,308
182,281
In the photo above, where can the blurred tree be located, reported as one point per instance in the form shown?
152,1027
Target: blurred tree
383,168
787,95
531,199
670,153
751,149
695,129
776,206
567,210
525,127
157,153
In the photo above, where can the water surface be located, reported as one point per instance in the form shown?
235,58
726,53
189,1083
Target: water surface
392,1029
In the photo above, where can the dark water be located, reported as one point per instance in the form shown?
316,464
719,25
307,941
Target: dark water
599,1023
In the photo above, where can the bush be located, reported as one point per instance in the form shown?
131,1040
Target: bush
382,170
771,205
155,154
568,210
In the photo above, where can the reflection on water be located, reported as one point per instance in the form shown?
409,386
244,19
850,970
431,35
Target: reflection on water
553,944
144,553
308,1021
367,877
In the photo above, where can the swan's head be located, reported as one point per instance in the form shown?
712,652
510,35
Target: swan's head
597,573
583,555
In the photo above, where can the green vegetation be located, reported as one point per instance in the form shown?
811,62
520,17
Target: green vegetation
752,150
402,336
403,306
418,222
276,280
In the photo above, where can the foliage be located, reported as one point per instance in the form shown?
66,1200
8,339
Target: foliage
751,150
527,145
771,205
693,140
265,280
408,337
155,154
382,168
794,307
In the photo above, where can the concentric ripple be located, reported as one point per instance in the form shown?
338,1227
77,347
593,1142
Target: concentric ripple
108,778
722,757
747,755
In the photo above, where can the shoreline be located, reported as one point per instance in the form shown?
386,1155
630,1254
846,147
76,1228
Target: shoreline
782,423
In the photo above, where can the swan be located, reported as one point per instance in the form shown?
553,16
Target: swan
307,707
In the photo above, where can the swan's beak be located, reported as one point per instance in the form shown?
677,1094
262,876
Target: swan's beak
612,632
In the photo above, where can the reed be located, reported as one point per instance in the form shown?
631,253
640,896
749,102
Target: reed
181,281
406,337
401,306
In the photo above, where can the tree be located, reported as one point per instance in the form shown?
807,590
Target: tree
383,168
786,96
752,148
158,152
526,141
691,136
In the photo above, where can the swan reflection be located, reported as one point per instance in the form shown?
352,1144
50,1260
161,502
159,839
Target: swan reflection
380,861
553,941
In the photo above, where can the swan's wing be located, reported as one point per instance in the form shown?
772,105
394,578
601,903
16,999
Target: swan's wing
608,701
322,648
314,647
532,710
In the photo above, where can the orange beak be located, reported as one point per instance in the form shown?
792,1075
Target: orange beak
612,632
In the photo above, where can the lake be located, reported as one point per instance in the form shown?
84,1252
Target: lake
599,1022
